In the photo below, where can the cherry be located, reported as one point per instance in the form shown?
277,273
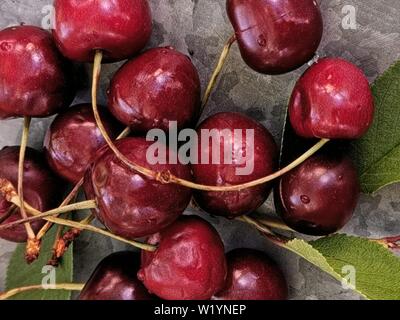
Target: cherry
332,100
159,86
252,275
73,138
235,203
120,28
319,197
189,263
41,189
115,278
35,78
276,36
131,205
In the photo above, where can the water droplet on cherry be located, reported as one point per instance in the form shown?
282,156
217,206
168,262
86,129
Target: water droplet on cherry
261,41
5,46
305,199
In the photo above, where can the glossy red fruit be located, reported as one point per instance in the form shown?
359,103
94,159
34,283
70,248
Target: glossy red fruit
35,78
276,36
131,205
189,263
320,196
332,100
115,278
264,162
159,86
119,28
252,275
42,190
73,138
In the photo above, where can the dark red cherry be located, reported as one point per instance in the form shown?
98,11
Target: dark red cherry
159,86
189,263
276,36
332,100
120,28
73,138
252,275
320,196
115,278
261,153
35,78
131,205
42,190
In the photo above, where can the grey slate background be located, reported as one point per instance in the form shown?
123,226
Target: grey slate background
200,27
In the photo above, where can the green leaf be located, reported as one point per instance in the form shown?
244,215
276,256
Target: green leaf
377,154
377,269
20,274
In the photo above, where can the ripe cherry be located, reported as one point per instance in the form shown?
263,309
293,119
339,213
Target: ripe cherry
42,190
252,275
258,156
131,205
159,86
35,78
332,100
115,278
73,138
189,263
119,28
319,197
276,36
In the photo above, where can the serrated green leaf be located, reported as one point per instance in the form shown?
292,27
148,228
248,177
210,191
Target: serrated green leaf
377,269
20,274
377,154
309,253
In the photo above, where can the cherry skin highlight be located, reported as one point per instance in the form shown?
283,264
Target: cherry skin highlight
115,278
159,86
189,263
35,78
235,203
131,205
73,138
119,28
252,275
332,100
276,36
320,196
42,190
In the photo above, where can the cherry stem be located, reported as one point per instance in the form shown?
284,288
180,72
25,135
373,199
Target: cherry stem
22,151
278,240
54,261
389,242
70,197
60,286
217,71
63,242
84,205
96,76
11,195
11,210
275,223
166,177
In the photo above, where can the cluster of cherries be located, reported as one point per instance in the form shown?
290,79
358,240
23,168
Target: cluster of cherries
332,100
